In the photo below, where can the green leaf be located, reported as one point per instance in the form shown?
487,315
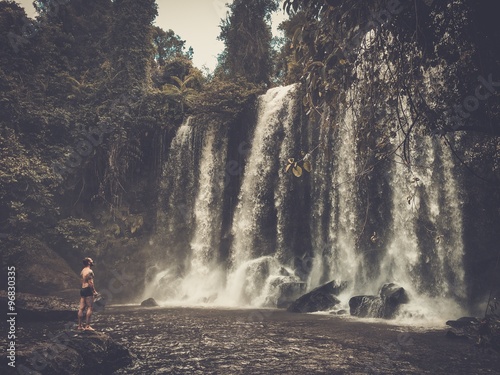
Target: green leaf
177,80
297,171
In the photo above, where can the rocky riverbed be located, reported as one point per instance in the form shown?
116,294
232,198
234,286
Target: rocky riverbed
175,340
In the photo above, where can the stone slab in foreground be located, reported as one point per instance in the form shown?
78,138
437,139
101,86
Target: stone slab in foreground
73,352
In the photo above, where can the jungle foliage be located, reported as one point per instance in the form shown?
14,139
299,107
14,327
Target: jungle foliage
91,95
247,37
337,47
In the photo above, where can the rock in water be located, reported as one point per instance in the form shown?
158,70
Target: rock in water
366,306
86,352
393,294
150,302
289,292
463,322
385,305
320,299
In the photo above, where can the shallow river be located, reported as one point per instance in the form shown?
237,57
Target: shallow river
223,341
175,340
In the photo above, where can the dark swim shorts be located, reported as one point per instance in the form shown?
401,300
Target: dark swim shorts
86,292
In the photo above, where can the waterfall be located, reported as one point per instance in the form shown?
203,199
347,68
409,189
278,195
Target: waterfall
349,220
258,226
203,277
426,250
190,215
253,218
419,244
335,180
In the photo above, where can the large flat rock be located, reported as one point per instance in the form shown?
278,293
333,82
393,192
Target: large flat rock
72,352
319,299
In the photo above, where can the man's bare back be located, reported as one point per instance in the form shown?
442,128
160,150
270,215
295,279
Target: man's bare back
87,293
87,277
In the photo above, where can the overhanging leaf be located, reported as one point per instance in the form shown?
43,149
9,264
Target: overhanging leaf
297,171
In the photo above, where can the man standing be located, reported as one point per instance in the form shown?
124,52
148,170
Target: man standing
87,294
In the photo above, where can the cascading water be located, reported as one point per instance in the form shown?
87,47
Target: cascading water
254,211
190,215
254,274
419,245
203,277
258,226
290,234
425,252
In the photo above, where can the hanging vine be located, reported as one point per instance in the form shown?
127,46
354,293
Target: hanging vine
335,38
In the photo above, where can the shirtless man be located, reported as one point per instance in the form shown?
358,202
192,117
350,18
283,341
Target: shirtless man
87,294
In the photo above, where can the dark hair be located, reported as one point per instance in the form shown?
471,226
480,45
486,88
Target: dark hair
88,262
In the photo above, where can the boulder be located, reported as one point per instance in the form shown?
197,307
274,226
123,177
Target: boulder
463,322
385,305
289,292
485,332
393,294
465,327
150,302
319,299
366,306
71,352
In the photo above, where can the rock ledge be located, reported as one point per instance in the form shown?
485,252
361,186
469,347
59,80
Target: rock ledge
73,352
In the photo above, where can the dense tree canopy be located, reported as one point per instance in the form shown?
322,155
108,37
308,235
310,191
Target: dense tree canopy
247,38
168,45
91,93
412,35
